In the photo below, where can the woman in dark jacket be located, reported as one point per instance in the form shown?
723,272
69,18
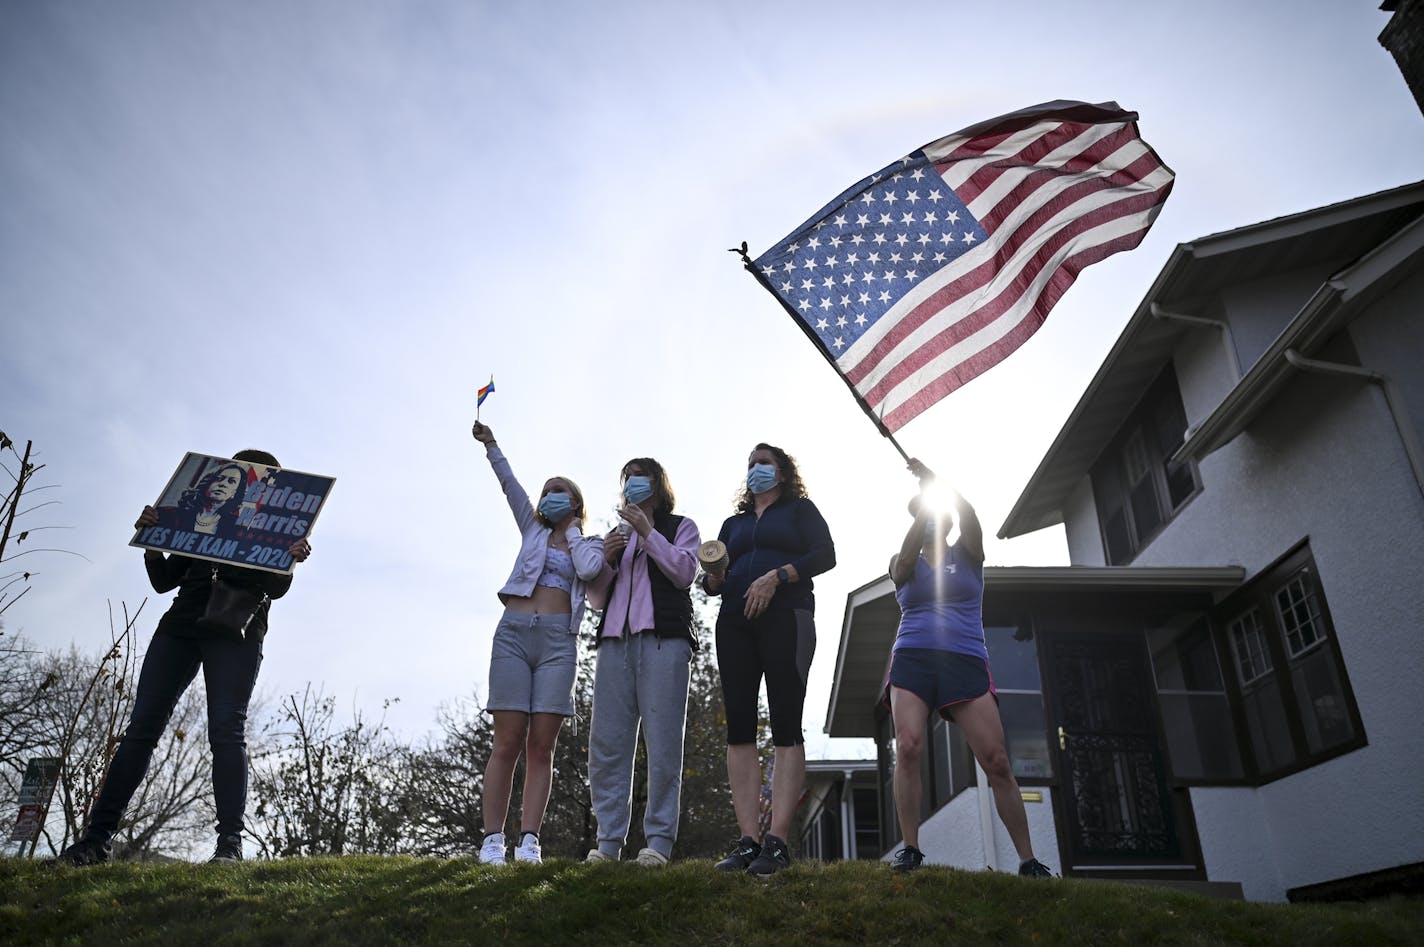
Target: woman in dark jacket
776,541
180,647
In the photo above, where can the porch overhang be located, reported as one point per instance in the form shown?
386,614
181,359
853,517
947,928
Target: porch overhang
872,617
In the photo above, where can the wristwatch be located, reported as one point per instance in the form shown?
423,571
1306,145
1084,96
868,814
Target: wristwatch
782,576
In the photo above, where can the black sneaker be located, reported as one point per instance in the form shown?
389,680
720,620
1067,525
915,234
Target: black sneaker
907,859
1033,868
772,859
85,852
744,852
229,849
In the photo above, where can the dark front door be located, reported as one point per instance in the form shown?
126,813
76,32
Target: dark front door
1115,806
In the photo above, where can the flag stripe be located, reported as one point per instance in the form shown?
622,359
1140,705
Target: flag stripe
1056,149
1065,211
1018,217
1018,285
997,129
944,381
1006,178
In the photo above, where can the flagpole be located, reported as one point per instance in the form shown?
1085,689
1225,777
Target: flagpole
480,401
760,278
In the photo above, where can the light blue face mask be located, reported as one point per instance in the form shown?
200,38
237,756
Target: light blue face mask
761,478
555,506
637,489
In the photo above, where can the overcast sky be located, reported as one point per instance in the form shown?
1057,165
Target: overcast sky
317,228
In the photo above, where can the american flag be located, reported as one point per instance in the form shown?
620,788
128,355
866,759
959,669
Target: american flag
932,271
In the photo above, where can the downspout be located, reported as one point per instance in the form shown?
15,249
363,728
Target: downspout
847,825
986,818
1221,325
1407,435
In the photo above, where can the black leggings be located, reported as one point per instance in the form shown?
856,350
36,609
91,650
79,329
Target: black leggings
779,645
229,675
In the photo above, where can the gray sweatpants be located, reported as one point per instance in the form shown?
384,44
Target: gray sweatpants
642,679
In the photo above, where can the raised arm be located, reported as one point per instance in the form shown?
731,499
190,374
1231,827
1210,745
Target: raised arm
971,533
902,564
517,498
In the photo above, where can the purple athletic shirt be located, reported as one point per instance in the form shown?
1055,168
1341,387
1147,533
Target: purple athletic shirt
944,610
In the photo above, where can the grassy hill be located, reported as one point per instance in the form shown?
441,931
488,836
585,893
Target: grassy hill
371,900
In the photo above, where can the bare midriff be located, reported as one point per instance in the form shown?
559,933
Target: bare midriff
545,601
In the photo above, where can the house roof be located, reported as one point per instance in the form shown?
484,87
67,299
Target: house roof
1194,274
872,617
1332,306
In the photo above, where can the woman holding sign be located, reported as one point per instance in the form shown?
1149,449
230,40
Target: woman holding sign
776,541
226,643
645,643
533,663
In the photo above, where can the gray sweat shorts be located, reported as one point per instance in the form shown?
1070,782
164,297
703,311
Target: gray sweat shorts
533,664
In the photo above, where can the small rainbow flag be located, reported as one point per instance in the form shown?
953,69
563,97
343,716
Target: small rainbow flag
484,392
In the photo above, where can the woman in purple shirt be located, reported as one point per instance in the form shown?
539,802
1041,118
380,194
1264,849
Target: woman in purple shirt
939,661
645,644
533,662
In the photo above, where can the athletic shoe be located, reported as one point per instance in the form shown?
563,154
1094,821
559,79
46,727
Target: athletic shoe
773,858
492,851
907,858
229,849
528,849
744,851
596,855
85,852
650,858
1033,868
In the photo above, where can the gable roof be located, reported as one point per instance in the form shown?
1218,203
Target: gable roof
1332,306
1195,272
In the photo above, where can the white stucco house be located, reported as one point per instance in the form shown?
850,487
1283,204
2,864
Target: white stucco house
1226,686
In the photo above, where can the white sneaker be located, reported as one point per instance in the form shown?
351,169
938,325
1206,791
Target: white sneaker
528,849
649,858
492,851
594,855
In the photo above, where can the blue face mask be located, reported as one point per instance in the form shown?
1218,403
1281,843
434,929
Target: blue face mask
637,489
555,506
761,478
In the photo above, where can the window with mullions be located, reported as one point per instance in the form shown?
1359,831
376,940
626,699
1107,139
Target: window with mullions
1013,657
950,761
1137,487
1293,694
1248,644
1196,713
865,805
